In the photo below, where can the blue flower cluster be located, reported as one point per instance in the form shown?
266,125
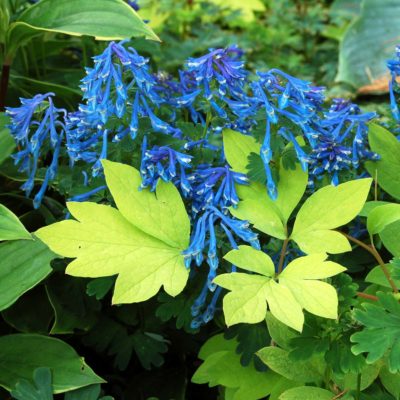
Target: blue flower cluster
124,100
394,86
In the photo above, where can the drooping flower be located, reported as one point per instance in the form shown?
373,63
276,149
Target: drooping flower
37,128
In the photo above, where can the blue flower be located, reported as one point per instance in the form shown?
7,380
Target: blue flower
37,129
162,162
394,68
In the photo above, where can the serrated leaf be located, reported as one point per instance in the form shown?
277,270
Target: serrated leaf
250,294
386,170
11,227
307,392
21,354
381,333
142,242
327,209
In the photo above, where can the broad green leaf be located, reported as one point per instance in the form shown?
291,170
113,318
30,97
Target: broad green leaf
307,392
390,381
300,371
7,142
327,209
237,148
368,375
370,206
103,19
389,237
23,264
381,333
377,276
369,41
10,226
280,333
21,354
297,289
382,216
256,206
316,297
142,242
222,366
250,259
386,170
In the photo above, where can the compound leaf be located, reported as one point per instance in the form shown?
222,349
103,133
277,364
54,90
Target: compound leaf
142,242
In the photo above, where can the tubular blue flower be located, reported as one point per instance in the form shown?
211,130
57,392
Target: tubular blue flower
161,163
215,186
394,68
38,130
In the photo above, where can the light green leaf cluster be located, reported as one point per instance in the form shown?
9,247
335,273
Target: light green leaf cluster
221,366
298,287
325,210
141,242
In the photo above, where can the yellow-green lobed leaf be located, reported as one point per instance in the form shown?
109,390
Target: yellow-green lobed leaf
105,241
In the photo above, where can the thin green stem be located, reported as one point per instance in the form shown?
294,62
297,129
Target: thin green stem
372,250
358,392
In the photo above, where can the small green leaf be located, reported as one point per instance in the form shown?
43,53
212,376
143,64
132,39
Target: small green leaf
382,216
370,206
327,209
250,259
299,371
280,333
222,366
381,333
237,149
386,171
151,228
377,276
307,392
10,226
23,264
389,237
390,381
21,354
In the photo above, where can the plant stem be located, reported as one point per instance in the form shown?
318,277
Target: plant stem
283,254
367,296
339,395
372,250
5,77
358,387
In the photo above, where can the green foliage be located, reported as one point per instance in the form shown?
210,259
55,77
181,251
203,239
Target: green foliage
23,264
298,288
307,392
10,226
381,333
21,354
132,238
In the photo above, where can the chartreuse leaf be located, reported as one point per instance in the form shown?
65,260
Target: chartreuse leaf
298,288
386,170
246,9
23,264
327,209
380,217
237,148
21,354
142,242
307,392
10,226
221,366
381,333
103,19
256,206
